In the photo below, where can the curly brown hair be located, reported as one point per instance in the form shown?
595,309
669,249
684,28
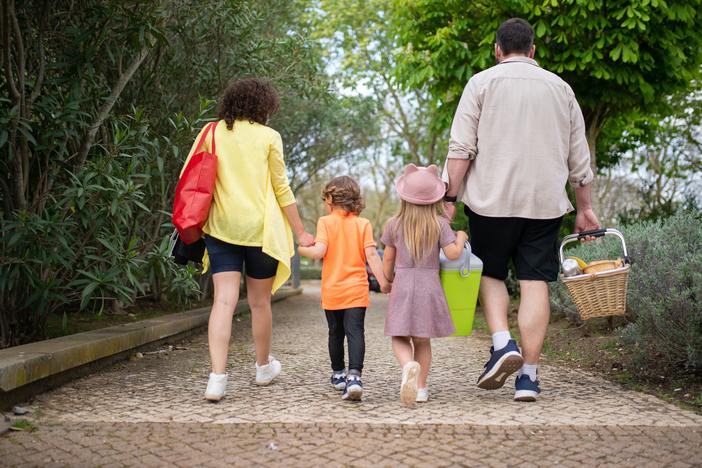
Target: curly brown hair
253,99
344,192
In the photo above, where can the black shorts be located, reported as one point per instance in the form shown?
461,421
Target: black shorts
231,257
532,244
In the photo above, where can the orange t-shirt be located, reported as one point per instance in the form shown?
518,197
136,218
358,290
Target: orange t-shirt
344,278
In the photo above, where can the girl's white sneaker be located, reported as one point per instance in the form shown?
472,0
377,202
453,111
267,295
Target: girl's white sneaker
408,388
422,395
266,373
216,387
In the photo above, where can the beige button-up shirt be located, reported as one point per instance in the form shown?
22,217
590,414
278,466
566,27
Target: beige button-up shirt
525,133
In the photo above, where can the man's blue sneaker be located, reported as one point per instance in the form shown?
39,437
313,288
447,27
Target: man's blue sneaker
338,380
526,389
354,388
501,365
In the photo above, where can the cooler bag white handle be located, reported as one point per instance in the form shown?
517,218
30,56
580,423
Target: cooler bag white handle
465,270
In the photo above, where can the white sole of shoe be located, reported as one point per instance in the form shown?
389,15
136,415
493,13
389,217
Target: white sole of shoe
408,389
506,366
213,397
263,383
354,394
525,395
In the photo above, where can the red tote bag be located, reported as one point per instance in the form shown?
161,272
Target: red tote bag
195,190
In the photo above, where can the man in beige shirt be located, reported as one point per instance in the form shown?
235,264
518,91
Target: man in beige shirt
517,138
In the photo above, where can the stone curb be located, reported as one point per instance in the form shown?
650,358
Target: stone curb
33,362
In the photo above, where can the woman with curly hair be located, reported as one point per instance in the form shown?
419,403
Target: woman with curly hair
345,242
249,223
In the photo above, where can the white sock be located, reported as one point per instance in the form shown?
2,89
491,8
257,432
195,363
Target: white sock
218,376
500,339
530,370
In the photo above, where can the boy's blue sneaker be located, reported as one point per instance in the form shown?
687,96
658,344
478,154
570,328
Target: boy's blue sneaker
526,389
501,365
338,380
354,388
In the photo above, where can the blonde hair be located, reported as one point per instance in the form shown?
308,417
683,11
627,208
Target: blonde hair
344,192
421,227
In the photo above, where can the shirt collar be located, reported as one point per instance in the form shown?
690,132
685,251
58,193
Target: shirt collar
341,212
519,58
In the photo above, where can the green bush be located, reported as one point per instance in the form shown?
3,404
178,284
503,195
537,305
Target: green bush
665,288
97,245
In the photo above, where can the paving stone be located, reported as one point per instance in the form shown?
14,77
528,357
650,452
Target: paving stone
150,412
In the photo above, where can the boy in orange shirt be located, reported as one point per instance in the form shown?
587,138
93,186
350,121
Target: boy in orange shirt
345,242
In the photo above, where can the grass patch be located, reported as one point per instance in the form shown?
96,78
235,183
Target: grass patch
22,425
595,346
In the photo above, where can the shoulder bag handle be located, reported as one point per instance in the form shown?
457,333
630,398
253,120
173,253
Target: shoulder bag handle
211,126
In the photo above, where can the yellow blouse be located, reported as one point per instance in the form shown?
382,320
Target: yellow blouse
252,186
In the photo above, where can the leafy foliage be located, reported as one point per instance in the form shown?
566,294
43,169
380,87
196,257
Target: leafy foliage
617,55
363,53
102,102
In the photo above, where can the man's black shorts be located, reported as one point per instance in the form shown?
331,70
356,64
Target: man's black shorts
532,244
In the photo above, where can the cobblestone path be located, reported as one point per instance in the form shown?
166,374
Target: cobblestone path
151,412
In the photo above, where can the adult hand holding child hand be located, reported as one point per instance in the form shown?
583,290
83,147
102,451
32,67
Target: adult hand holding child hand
305,239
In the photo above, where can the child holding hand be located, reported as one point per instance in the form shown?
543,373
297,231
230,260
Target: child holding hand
345,242
418,310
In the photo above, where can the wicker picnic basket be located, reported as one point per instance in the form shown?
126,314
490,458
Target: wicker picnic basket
600,294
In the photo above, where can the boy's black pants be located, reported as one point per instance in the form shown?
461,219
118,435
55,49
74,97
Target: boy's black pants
347,323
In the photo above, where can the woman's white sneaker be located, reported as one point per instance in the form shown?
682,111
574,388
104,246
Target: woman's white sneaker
422,395
216,387
408,388
266,373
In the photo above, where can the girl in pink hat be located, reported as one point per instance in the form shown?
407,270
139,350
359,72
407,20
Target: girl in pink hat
418,309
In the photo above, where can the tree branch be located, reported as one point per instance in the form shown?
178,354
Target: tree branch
106,108
21,58
7,196
6,51
42,59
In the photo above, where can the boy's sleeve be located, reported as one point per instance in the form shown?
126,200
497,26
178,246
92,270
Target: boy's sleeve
387,238
322,235
368,240
447,235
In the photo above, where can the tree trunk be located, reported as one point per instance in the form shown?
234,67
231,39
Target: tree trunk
106,107
594,119
592,132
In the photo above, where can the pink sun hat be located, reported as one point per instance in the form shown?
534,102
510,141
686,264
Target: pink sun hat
420,185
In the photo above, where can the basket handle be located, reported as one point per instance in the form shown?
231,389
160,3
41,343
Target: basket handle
595,233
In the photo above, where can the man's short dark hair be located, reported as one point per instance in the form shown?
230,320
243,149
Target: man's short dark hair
515,36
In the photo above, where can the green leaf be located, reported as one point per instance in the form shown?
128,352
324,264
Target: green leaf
540,29
616,52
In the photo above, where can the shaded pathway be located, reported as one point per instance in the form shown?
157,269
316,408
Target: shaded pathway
151,412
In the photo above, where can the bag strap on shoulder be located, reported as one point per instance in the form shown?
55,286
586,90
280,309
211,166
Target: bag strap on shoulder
211,126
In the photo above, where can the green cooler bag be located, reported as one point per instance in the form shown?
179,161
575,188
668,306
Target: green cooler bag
460,280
